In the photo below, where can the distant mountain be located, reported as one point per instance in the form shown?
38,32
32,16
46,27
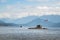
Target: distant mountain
56,25
7,20
52,18
2,23
25,20
46,21
39,21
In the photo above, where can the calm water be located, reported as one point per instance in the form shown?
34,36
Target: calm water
16,33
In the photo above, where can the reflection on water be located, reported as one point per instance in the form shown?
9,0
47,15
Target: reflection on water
16,33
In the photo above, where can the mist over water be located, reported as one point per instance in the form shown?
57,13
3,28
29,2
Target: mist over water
17,33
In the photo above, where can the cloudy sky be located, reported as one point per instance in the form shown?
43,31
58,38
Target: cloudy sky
22,8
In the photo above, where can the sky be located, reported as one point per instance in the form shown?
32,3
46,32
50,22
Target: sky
21,8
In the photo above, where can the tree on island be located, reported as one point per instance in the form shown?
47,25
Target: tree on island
39,27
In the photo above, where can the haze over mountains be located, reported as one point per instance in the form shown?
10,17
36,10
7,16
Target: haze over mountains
46,20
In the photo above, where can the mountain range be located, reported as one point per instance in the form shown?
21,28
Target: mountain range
46,21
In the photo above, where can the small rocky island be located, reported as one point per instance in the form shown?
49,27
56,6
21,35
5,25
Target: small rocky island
38,27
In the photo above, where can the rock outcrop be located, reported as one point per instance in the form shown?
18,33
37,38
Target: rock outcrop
38,27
